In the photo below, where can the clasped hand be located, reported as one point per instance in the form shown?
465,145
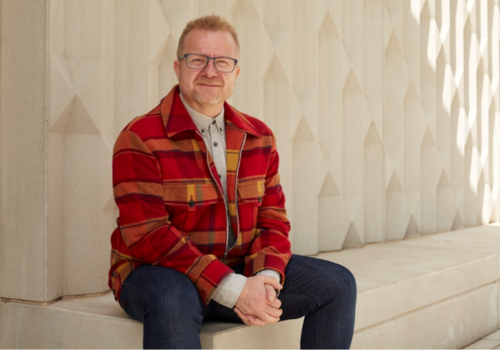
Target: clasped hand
258,304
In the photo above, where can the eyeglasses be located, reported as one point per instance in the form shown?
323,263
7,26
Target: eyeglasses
197,61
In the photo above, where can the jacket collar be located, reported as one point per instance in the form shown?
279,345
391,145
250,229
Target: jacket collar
176,119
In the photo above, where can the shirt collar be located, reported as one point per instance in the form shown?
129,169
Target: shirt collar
203,121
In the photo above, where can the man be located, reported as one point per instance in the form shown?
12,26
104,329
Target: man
202,231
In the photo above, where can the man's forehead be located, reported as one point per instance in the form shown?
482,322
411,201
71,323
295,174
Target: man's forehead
208,40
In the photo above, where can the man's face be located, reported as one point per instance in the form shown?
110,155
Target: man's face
206,89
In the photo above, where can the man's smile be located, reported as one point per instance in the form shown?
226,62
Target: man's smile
209,84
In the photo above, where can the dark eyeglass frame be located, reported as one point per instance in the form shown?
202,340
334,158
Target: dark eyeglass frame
186,55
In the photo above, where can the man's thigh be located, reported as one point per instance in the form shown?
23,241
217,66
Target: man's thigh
153,288
310,283
159,289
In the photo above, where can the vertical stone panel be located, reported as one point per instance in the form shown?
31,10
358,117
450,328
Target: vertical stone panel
430,163
60,103
457,176
305,167
446,204
352,158
132,60
472,158
87,136
334,220
162,48
430,171
23,225
396,81
248,26
373,152
374,189
414,128
306,21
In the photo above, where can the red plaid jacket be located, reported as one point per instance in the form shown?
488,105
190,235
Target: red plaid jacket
172,210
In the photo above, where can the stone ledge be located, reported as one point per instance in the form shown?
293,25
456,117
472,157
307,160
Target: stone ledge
434,291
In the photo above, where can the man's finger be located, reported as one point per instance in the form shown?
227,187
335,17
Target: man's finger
272,281
267,318
255,321
249,320
240,315
270,292
271,311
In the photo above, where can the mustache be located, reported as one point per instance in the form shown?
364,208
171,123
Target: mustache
213,81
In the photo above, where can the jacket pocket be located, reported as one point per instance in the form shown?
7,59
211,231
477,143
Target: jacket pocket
251,192
190,197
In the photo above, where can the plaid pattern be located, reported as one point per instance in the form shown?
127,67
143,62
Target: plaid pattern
172,211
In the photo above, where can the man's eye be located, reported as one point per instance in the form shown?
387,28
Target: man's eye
197,60
223,63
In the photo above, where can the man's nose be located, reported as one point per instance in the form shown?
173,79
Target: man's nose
210,69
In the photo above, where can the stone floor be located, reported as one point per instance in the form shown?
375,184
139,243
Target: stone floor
491,341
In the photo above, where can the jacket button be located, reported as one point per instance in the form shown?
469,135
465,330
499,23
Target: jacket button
191,203
260,199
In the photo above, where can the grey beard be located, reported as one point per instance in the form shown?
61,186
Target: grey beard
204,101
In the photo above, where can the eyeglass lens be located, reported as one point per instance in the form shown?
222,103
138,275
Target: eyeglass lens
199,62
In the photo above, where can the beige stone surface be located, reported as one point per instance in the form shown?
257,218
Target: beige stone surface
399,277
25,270
98,322
282,335
494,336
452,324
386,113
484,344
32,327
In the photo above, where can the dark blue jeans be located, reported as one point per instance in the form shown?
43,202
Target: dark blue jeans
169,306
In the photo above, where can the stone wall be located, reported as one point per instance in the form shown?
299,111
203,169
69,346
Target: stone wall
386,112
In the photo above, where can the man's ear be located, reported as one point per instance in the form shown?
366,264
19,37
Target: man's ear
177,69
237,72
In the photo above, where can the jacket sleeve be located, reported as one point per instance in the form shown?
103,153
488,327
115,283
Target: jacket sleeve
144,223
271,246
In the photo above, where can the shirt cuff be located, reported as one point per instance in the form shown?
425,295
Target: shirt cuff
229,290
270,273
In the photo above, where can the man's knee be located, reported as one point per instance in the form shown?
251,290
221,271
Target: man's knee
328,276
160,290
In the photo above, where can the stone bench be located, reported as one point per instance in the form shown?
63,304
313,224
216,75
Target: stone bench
436,291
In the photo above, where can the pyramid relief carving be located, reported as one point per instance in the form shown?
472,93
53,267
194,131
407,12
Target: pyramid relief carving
352,238
75,119
412,230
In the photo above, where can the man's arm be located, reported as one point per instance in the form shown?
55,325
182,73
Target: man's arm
271,247
269,253
144,224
